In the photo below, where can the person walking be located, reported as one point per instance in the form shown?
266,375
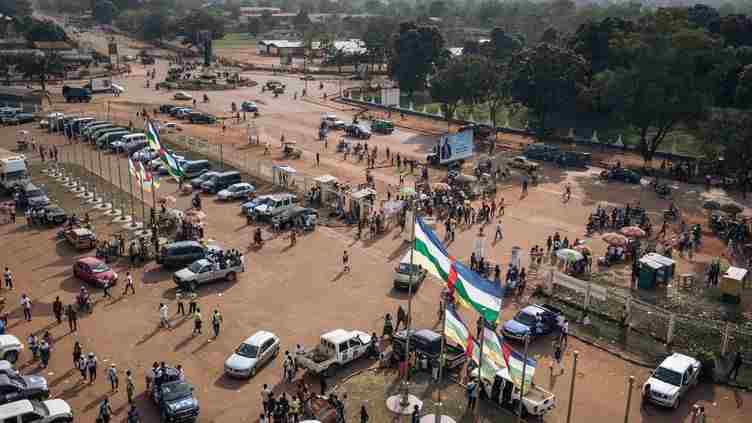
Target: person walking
345,262
197,322
130,387
8,278
498,235
26,305
129,284
164,316
113,377
105,411
44,353
83,367
557,357
106,288
57,310
738,361
91,365
401,318
72,316
216,322
181,305
76,354
266,396
318,160
415,416
472,395
192,305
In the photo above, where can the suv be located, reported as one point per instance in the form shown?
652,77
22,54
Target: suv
174,397
221,181
330,120
357,131
206,118
26,411
14,387
194,168
526,322
402,274
197,181
672,379
32,196
276,204
181,253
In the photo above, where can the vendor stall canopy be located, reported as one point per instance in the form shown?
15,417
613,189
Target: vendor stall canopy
359,195
284,168
325,179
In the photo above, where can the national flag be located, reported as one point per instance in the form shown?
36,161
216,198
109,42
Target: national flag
152,135
465,285
489,368
456,331
155,180
515,362
492,347
146,178
173,167
133,170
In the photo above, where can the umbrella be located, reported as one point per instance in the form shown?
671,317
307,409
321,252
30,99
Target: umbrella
632,232
441,186
614,239
731,208
711,205
584,249
569,254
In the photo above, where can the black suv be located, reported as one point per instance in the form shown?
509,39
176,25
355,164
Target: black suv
165,108
202,118
181,253
219,182
14,387
174,397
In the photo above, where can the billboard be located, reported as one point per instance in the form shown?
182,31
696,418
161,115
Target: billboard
456,146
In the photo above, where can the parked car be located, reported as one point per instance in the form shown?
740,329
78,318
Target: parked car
574,159
51,215
22,118
195,168
335,349
10,348
182,253
381,126
197,181
403,271
293,216
17,387
358,131
621,174
32,196
131,147
169,127
248,207
31,411
428,343
80,238
276,204
534,321
672,379
249,106
206,271
259,349
94,271
541,151
182,95
240,190
522,163
165,108
330,120
202,118
174,397
219,182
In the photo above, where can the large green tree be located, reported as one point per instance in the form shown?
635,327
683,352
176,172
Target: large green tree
666,79
156,26
45,31
460,81
744,88
197,21
40,67
502,45
105,11
727,133
547,79
416,50
593,42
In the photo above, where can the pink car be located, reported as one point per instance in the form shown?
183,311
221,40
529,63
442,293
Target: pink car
94,271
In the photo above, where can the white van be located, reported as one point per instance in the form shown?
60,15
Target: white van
119,146
31,411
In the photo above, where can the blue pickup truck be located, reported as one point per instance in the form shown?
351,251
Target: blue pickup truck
526,322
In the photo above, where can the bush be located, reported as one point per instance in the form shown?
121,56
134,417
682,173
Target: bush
707,359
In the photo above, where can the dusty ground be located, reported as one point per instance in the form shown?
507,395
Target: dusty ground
299,292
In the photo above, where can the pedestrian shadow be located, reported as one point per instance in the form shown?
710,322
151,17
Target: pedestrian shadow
73,391
182,344
148,336
62,377
115,301
339,276
98,400
202,346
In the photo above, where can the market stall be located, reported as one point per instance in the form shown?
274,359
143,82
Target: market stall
281,175
362,202
655,269
732,284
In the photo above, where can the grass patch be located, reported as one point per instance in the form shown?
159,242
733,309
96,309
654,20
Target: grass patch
237,40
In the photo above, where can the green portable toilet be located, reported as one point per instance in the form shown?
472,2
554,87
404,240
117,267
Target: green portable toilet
648,273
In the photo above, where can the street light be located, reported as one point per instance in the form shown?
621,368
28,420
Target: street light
571,387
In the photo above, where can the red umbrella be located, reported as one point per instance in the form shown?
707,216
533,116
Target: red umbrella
615,239
632,232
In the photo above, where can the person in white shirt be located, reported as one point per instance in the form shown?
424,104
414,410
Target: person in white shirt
564,333
163,316
8,278
26,305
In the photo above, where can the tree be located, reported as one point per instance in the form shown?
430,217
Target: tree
41,67
377,36
728,133
437,8
415,51
16,8
593,42
502,45
550,36
735,29
45,31
254,26
104,11
470,47
156,26
703,16
744,88
666,79
301,20
459,81
496,84
197,21
546,78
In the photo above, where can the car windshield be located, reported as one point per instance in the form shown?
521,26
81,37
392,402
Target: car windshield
247,350
34,193
173,391
405,268
195,267
525,319
99,268
669,376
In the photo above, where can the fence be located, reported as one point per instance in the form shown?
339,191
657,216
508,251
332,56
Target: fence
662,325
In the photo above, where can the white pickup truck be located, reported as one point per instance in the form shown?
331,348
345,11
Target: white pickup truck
206,271
502,391
336,348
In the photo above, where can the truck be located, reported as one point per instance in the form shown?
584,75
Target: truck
504,392
335,349
206,271
13,171
173,396
76,94
534,320
428,343
99,85
672,380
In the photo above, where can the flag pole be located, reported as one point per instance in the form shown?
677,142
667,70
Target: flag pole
405,396
120,182
99,157
442,353
480,355
522,383
112,193
143,207
130,183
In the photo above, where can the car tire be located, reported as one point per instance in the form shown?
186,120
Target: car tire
11,356
675,405
231,277
193,286
252,373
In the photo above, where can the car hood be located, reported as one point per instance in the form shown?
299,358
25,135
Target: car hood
513,326
39,200
105,276
224,193
662,387
35,382
184,274
263,208
185,403
58,407
239,362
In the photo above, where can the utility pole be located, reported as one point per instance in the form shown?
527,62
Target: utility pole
571,388
522,383
629,399
405,397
